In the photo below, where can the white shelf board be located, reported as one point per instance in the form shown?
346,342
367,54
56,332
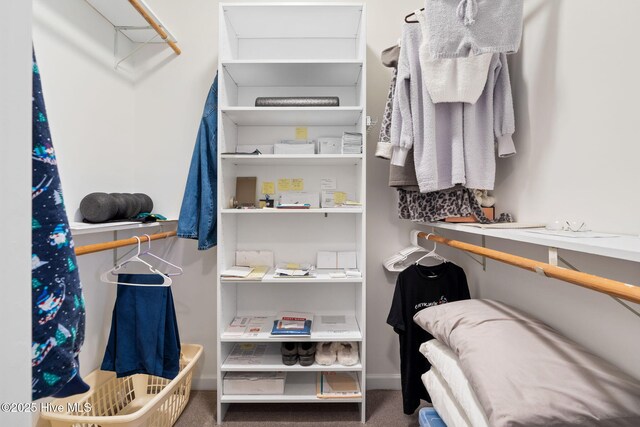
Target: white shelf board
298,388
81,228
322,276
293,116
293,159
275,211
351,334
294,20
120,13
625,247
272,361
283,73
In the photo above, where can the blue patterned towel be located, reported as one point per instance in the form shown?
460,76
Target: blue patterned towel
58,305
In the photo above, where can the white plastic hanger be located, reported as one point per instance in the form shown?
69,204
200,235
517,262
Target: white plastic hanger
433,253
148,252
395,262
105,277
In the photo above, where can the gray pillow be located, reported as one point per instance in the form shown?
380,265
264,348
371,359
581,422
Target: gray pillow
527,374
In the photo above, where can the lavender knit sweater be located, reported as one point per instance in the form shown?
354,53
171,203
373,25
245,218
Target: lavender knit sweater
454,143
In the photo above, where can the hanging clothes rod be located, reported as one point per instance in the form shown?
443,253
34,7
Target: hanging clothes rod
162,33
99,247
589,281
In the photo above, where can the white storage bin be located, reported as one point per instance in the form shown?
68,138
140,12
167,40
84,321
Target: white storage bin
254,382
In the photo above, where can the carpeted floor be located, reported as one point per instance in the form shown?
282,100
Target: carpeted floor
384,409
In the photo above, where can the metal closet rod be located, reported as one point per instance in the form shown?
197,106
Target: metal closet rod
99,247
589,281
137,6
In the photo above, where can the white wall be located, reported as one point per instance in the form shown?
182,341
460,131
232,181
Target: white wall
90,111
577,158
571,105
15,214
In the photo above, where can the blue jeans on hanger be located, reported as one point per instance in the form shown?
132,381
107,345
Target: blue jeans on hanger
198,215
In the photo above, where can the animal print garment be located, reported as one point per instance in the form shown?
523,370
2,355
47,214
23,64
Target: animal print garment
385,126
438,205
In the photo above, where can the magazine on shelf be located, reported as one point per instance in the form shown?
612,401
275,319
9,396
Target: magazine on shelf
332,385
305,331
292,323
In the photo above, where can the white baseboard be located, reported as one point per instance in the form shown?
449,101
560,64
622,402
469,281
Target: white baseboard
374,382
204,383
383,382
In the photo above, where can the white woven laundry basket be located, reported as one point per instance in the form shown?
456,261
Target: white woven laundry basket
134,401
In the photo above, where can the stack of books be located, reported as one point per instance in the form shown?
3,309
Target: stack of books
292,324
351,143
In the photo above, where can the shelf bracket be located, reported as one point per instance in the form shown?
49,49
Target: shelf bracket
553,256
571,267
483,260
119,30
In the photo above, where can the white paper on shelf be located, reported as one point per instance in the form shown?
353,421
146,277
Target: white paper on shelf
504,225
238,326
347,260
237,271
328,325
247,354
327,259
574,234
258,325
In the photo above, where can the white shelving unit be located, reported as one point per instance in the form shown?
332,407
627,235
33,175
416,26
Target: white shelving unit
290,49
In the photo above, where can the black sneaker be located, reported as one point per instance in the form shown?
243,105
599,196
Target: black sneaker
289,352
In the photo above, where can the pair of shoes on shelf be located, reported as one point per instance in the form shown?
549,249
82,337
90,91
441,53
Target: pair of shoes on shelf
302,352
345,353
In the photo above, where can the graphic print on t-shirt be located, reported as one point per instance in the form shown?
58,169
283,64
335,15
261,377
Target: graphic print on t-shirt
420,306
417,288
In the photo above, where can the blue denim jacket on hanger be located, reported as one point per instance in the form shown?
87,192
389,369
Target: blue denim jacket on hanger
198,215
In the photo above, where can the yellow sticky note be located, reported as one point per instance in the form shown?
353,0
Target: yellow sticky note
297,184
339,197
302,133
284,184
292,266
268,188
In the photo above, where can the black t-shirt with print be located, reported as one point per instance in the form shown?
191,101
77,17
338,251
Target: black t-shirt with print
419,287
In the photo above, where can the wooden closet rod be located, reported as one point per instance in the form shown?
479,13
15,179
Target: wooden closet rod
162,33
99,247
589,281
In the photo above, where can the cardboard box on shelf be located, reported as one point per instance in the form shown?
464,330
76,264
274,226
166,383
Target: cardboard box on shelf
488,212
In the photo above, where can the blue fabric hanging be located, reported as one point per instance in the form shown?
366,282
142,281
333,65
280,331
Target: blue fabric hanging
198,214
144,335
58,314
